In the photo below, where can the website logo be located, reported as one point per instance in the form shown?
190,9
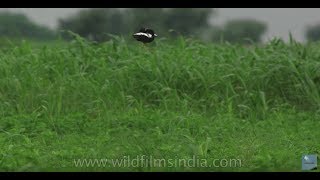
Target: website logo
309,162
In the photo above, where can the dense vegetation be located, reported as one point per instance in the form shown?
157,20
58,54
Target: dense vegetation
171,99
17,26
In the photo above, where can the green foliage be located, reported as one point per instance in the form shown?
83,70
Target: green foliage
242,31
313,33
18,25
187,21
144,17
178,99
95,24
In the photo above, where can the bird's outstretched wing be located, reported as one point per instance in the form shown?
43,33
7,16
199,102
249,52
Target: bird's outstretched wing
142,34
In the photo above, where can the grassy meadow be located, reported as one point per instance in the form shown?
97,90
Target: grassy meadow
172,99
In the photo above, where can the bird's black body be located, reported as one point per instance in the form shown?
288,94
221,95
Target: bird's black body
145,35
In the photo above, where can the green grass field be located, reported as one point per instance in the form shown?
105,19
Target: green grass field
171,100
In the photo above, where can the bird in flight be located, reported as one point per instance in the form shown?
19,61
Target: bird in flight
145,35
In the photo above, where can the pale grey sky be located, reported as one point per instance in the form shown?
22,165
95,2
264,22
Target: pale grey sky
280,20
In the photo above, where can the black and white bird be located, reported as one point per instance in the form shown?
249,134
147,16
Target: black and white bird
145,35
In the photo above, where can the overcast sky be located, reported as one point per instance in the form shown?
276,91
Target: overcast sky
280,20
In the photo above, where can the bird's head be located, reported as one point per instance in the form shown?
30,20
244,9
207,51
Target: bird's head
150,31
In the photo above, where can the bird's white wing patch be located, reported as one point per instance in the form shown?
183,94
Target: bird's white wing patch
143,34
